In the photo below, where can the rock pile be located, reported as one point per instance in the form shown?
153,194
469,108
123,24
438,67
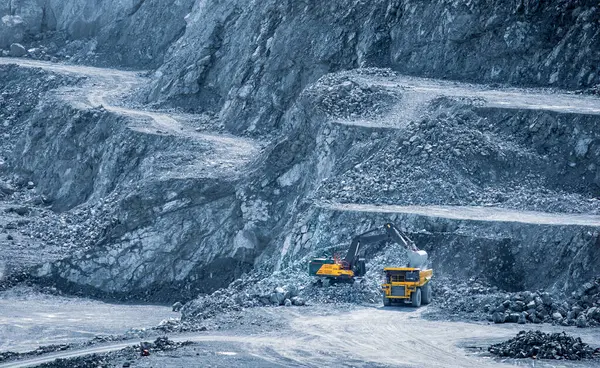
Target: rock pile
342,293
292,287
164,344
11,355
539,345
258,289
463,147
17,99
346,98
582,309
478,301
463,299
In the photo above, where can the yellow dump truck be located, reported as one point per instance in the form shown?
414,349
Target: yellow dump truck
407,285
410,284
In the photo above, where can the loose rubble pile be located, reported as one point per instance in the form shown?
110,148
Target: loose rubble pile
582,309
17,99
258,289
447,156
345,98
78,229
164,344
128,354
539,345
292,287
11,355
93,360
477,301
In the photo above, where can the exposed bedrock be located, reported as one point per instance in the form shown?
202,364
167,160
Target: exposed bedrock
182,227
131,33
248,61
176,228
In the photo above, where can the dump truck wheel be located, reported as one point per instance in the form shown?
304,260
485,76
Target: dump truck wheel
427,294
386,301
415,298
358,284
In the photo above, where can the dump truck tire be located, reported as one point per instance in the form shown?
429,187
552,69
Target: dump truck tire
386,301
415,298
427,294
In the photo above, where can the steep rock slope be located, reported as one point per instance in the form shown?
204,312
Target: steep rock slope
131,33
188,211
249,60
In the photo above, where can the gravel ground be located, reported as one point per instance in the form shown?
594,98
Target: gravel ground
29,319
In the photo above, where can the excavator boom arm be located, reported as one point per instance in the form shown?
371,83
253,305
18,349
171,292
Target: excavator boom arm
417,257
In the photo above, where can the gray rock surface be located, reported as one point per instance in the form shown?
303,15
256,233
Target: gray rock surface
233,53
132,33
17,50
12,28
166,206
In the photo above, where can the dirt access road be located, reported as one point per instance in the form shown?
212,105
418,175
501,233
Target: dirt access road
106,86
325,336
476,213
110,88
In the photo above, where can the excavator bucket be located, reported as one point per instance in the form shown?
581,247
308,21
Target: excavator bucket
417,259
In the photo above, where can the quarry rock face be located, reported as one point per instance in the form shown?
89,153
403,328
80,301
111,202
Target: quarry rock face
12,29
125,32
295,130
253,59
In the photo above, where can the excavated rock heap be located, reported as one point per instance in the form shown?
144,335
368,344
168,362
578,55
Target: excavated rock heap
246,292
539,345
346,98
581,310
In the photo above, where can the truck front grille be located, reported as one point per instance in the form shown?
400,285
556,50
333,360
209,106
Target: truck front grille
398,290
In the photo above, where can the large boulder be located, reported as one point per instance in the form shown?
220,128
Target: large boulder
278,296
12,29
512,318
499,317
17,50
177,306
298,301
582,321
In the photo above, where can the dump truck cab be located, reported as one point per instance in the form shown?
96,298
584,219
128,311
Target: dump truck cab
406,285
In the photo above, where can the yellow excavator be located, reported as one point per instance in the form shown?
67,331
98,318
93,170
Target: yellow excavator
352,268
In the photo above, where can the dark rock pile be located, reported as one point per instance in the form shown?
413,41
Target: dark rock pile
128,354
11,355
460,300
346,98
476,300
93,360
539,345
164,344
463,148
581,310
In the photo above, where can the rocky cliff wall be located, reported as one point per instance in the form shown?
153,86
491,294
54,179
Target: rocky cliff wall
249,60
133,33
